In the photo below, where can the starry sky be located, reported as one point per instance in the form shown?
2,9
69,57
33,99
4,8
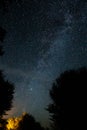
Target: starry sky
44,38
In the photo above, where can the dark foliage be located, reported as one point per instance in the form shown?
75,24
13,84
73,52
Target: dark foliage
69,95
6,95
28,123
6,88
3,123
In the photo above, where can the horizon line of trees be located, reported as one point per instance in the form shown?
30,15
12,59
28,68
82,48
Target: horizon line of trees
6,88
68,93
68,109
24,122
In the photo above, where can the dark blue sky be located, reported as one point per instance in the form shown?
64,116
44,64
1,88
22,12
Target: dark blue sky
44,38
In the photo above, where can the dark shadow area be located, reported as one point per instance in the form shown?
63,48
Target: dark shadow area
28,123
69,108
6,89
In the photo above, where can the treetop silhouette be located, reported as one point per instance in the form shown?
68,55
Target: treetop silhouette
6,95
6,88
28,123
69,95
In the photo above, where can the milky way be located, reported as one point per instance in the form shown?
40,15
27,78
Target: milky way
44,38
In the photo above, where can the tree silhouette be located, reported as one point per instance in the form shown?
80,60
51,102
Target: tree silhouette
6,95
28,123
68,93
6,89
3,123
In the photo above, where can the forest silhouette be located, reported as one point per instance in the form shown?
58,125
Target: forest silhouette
67,111
24,122
68,93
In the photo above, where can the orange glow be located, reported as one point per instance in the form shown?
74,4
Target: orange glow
13,123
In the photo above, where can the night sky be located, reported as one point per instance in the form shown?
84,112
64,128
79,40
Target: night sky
44,38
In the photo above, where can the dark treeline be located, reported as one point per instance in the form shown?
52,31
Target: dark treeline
68,110
6,97
6,89
28,123
69,95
